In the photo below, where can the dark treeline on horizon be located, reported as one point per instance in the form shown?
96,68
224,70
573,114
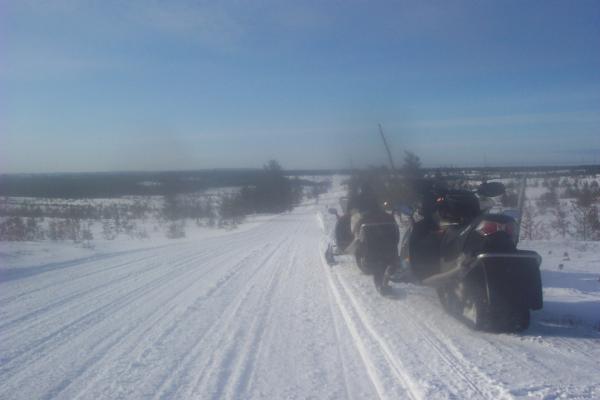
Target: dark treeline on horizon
115,184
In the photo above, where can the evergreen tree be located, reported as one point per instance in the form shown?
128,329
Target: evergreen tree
411,168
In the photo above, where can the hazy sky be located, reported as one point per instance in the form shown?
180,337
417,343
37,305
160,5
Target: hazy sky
152,85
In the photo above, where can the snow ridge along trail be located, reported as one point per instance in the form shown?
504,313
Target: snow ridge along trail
257,314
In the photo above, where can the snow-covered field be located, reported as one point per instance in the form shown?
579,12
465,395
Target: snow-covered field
256,313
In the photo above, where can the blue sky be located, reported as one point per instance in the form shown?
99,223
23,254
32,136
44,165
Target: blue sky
153,85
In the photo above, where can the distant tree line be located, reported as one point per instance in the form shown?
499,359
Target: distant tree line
111,185
268,191
272,192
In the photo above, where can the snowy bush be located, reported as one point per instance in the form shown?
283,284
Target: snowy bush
548,199
560,222
176,230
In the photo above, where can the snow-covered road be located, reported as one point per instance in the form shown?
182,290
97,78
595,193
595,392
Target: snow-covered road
257,314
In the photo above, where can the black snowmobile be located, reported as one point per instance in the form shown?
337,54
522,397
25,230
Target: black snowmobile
373,241
470,257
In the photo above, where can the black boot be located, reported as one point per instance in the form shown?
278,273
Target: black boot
381,281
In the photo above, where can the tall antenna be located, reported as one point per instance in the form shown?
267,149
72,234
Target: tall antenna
387,148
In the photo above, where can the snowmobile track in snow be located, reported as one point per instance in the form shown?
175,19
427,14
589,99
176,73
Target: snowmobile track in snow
371,346
219,332
480,385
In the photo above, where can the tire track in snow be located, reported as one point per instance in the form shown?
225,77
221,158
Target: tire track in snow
336,313
586,344
513,351
480,384
98,268
376,350
337,328
278,309
90,319
175,272
83,320
74,295
541,363
176,378
96,264
28,272
457,367
244,338
478,381
238,382
99,344
126,269
153,322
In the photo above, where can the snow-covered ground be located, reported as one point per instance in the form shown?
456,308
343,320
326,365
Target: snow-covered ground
256,313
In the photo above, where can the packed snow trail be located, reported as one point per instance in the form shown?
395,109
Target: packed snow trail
257,314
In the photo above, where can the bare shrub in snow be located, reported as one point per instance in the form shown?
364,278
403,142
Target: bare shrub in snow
176,230
594,223
585,213
549,183
595,188
210,213
586,196
13,229
570,192
109,231
273,192
65,229
171,209
232,209
527,222
86,235
548,199
531,228
587,225
560,222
